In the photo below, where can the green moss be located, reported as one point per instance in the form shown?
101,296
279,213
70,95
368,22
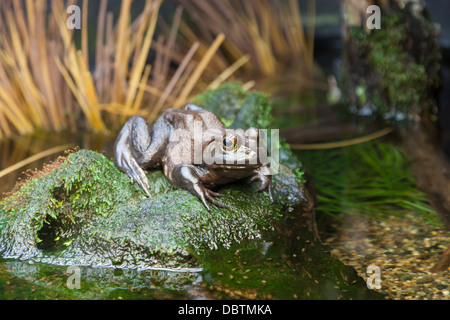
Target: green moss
237,108
86,212
393,73
55,207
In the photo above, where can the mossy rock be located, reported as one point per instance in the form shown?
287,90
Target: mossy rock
82,211
236,107
87,212
393,74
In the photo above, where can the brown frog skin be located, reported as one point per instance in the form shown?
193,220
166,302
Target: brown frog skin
167,145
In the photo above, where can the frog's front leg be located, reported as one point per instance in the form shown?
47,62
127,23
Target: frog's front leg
187,177
138,147
265,180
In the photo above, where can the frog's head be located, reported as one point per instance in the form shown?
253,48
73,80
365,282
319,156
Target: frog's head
232,149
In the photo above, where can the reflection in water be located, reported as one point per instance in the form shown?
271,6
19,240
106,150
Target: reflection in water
18,148
43,281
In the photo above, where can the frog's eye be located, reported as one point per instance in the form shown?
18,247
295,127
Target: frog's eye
229,143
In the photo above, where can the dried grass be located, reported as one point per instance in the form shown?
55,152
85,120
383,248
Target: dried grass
46,81
271,32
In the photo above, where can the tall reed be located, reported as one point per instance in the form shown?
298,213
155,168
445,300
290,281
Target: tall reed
47,82
271,32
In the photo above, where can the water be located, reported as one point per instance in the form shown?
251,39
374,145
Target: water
286,268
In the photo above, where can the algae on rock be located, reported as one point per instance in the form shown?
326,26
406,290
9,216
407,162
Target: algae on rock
392,74
87,212
236,107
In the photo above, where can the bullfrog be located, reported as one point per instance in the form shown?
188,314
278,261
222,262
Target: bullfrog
196,151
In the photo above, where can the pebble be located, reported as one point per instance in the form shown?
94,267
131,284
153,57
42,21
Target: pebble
410,291
426,279
405,277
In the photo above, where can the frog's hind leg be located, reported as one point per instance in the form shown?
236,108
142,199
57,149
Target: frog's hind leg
148,145
186,177
137,147
125,160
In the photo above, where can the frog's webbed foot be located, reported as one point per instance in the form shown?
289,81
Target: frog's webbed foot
125,159
186,177
265,180
206,195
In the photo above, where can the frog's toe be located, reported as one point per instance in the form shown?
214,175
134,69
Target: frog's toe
143,182
253,179
210,195
266,183
215,194
136,174
207,196
186,177
270,191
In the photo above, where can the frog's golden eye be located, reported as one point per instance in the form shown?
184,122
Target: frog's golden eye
229,143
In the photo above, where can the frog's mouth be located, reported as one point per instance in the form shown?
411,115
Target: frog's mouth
235,166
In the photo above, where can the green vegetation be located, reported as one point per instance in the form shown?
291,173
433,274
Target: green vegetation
372,179
392,73
236,107
53,208
86,211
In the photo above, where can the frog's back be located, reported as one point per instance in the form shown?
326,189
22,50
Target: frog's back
184,118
